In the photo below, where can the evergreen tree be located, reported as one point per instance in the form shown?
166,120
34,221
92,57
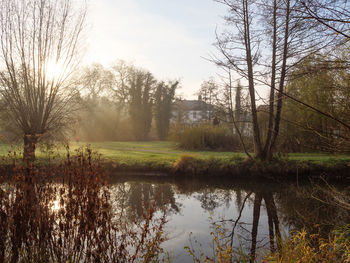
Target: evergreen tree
238,107
164,97
141,86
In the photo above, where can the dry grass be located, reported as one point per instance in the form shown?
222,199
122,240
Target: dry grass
304,248
64,214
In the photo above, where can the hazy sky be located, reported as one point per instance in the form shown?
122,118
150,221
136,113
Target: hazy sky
167,37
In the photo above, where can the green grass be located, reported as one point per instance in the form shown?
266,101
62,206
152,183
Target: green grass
169,151
318,157
160,153
155,153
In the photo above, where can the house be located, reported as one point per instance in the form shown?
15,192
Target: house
192,111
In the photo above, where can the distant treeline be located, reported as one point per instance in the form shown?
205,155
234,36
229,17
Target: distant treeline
121,102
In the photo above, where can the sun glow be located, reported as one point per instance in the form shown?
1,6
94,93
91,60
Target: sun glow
54,70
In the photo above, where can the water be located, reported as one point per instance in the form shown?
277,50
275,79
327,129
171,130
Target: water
250,216
254,214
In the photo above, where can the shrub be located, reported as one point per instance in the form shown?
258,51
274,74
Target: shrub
205,137
186,164
301,247
64,213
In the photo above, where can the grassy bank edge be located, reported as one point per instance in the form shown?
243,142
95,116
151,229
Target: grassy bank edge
164,158
240,168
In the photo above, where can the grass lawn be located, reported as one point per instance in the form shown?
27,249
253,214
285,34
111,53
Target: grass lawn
158,153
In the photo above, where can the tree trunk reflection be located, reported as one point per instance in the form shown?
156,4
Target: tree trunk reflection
256,216
273,222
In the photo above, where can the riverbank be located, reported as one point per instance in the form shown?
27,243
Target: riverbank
188,208
239,169
165,159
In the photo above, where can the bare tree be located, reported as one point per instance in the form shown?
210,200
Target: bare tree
334,15
265,40
39,51
234,112
122,73
98,116
96,80
208,93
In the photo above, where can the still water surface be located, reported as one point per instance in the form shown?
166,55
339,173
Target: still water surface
255,214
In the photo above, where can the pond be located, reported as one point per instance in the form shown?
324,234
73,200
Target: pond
254,214
78,216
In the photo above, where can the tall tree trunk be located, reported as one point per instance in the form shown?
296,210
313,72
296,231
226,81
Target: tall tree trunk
30,141
249,60
282,80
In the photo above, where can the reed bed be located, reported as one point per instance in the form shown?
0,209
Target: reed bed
64,213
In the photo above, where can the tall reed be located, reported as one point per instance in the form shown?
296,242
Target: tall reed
64,213
205,137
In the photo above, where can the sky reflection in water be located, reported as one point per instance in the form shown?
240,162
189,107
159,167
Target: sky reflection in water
190,204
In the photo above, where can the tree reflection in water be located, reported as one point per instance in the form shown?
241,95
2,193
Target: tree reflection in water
263,213
136,199
273,222
257,199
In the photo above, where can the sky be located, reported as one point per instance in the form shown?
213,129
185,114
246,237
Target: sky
170,38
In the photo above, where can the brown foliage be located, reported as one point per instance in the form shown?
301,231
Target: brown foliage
65,214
